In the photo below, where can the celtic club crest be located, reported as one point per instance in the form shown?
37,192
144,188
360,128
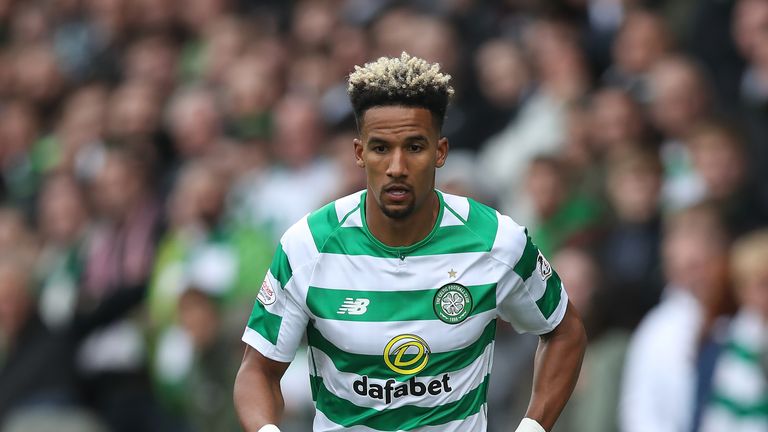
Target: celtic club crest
452,303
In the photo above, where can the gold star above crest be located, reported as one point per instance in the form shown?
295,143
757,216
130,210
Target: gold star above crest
452,274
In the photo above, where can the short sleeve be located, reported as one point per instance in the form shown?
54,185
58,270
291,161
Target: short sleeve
277,322
530,295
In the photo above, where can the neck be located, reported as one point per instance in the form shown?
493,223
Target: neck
397,232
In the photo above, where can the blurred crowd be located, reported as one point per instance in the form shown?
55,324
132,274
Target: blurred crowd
152,153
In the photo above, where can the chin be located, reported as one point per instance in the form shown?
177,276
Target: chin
393,212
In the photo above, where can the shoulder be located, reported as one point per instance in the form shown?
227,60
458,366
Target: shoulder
504,239
304,240
479,219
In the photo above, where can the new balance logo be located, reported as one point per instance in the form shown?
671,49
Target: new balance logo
354,306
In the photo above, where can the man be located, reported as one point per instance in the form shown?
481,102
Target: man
398,286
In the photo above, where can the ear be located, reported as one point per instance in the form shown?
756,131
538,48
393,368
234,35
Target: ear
358,153
442,152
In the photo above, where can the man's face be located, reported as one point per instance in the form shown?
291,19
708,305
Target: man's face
400,148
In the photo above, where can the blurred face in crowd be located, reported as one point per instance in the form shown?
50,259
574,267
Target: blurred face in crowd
29,23
642,41
350,48
313,23
226,39
750,273
679,97
633,187
194,122
694,253
502,73
133,111
14,233
577,151
434,40
62,210
298,131
15,299
250,87
311,74
616,120
578,271
198,197
400,148
750,26
199,14
109,16
118,187
560,65
718,158
152,60
753,293
152,14
199,317
82,121
18,129
391,32
546,187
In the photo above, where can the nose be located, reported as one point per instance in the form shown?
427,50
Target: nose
397,164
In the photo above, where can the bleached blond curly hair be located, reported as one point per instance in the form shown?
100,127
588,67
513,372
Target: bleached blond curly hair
404,81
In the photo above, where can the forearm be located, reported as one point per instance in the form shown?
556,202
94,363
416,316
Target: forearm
557,366
257,396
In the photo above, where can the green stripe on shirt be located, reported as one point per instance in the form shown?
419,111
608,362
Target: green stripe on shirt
389,305
265,323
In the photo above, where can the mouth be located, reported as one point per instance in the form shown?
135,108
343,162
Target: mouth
397,193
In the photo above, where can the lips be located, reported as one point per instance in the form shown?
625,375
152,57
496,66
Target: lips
397,192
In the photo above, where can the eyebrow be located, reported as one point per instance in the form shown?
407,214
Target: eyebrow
379,140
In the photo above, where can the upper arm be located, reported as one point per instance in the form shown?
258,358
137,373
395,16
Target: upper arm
278,320
254,361
530,295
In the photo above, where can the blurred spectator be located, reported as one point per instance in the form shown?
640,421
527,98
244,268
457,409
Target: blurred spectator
740,384
617,123
119,255
750,21
680,101
629,250
250,92
505,81
560,217
16,235
538,127
642,41
194,122
63,220
194,368
152,60
20,172
75,144
660,377
717,151
27,347
608,312
202,248
37,78
300,165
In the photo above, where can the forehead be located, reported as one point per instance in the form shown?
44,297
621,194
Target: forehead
396,120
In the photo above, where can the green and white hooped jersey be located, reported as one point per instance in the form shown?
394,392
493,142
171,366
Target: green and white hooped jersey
401,339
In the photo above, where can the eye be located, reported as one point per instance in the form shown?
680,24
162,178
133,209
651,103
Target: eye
379,148
415,147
